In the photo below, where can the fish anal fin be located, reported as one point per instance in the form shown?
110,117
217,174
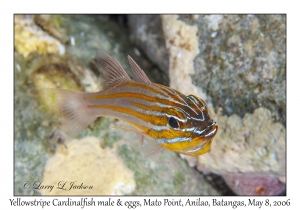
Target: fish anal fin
138,74
110,70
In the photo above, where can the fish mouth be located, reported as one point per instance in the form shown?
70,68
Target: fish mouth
202,140
208,132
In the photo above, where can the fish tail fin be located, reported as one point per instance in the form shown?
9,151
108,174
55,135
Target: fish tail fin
73,109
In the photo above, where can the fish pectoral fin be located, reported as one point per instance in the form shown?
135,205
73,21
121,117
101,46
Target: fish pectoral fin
151,148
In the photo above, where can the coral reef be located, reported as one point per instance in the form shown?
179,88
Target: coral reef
31,124
62,72
84,161
30,38
253,144
52,25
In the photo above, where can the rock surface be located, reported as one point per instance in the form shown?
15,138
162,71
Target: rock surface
254,184
241,64
147,33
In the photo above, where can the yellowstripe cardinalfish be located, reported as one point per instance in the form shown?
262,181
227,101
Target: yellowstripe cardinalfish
171,119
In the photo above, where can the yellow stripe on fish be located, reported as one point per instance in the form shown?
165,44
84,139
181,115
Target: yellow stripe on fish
171,119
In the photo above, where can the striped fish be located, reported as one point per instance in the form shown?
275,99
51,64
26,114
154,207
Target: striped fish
171,119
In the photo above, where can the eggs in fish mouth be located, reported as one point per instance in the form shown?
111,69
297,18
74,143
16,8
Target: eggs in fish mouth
169,118
205,137
198,143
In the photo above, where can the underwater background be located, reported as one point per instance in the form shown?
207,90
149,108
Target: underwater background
236,63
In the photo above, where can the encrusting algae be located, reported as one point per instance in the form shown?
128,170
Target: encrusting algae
61,72
29,38
84,168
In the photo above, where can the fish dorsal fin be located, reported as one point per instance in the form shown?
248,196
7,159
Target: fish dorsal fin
138,74
111,71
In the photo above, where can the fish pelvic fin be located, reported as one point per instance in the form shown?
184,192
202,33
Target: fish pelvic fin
151,148
73,110
139,134
138,74
140,138
110,70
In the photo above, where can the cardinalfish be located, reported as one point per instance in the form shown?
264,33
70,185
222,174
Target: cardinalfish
171,119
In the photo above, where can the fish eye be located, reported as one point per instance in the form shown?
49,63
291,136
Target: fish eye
173,123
